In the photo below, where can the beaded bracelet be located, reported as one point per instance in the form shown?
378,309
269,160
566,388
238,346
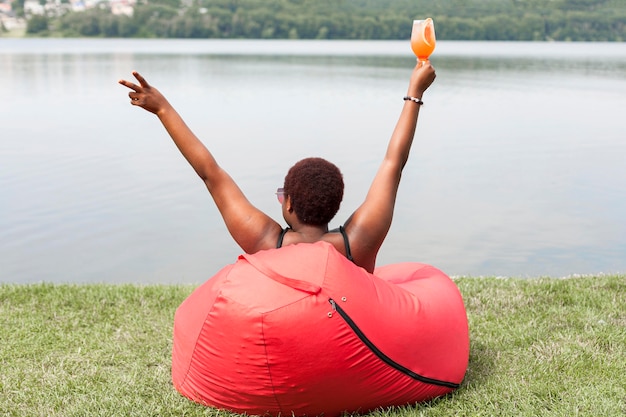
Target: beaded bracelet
414,99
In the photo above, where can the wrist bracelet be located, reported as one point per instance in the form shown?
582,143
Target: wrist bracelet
414,99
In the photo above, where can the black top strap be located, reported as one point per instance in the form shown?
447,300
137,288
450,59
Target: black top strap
281,237
346,243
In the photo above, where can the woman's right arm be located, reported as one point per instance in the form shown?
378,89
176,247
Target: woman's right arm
369,224
252,229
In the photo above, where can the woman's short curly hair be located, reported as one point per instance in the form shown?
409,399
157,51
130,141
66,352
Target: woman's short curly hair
315,187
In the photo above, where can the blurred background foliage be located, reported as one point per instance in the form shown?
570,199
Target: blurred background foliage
507,20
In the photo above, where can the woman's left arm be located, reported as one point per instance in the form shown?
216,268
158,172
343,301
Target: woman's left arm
369,224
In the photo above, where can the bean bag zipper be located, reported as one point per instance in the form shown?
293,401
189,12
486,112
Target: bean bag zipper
355,328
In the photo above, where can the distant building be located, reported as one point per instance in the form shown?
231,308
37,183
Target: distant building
32,7
56,7
78,5
8,19
5,7
125,7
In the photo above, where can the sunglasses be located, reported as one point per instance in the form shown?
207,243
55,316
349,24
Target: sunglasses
280,194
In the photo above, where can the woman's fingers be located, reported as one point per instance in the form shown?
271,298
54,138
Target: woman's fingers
141,80
142,83
137,89
130,85
134,98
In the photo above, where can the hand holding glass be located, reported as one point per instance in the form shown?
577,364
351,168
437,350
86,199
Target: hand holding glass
423,38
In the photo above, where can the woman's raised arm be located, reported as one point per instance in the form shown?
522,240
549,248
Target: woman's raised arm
252,229
369,224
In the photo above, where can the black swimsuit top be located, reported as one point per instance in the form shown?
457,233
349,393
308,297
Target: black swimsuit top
340,230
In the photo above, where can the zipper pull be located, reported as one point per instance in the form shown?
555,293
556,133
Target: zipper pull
333,305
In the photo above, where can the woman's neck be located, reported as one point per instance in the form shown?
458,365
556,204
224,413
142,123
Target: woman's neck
310,233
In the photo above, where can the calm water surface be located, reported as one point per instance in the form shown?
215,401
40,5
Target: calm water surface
517,168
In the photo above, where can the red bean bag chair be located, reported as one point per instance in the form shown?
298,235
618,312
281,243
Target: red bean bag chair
303,330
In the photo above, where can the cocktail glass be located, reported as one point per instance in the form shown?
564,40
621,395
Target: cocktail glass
423,38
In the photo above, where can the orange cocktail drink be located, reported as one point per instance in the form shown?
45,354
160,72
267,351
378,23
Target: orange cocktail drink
423,38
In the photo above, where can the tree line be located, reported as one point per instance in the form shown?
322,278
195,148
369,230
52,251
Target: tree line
507,20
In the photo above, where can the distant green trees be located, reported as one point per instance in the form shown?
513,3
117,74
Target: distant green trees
563,20
37,24
18,7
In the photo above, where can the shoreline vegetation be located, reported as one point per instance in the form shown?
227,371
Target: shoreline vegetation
505,20
543,346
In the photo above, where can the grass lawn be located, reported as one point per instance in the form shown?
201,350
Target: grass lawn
539,347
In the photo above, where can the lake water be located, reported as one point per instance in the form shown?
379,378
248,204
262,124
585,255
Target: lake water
518,167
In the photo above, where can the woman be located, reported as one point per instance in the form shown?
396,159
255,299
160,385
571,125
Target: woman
313,187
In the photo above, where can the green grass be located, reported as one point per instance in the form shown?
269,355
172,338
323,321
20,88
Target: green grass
549,347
